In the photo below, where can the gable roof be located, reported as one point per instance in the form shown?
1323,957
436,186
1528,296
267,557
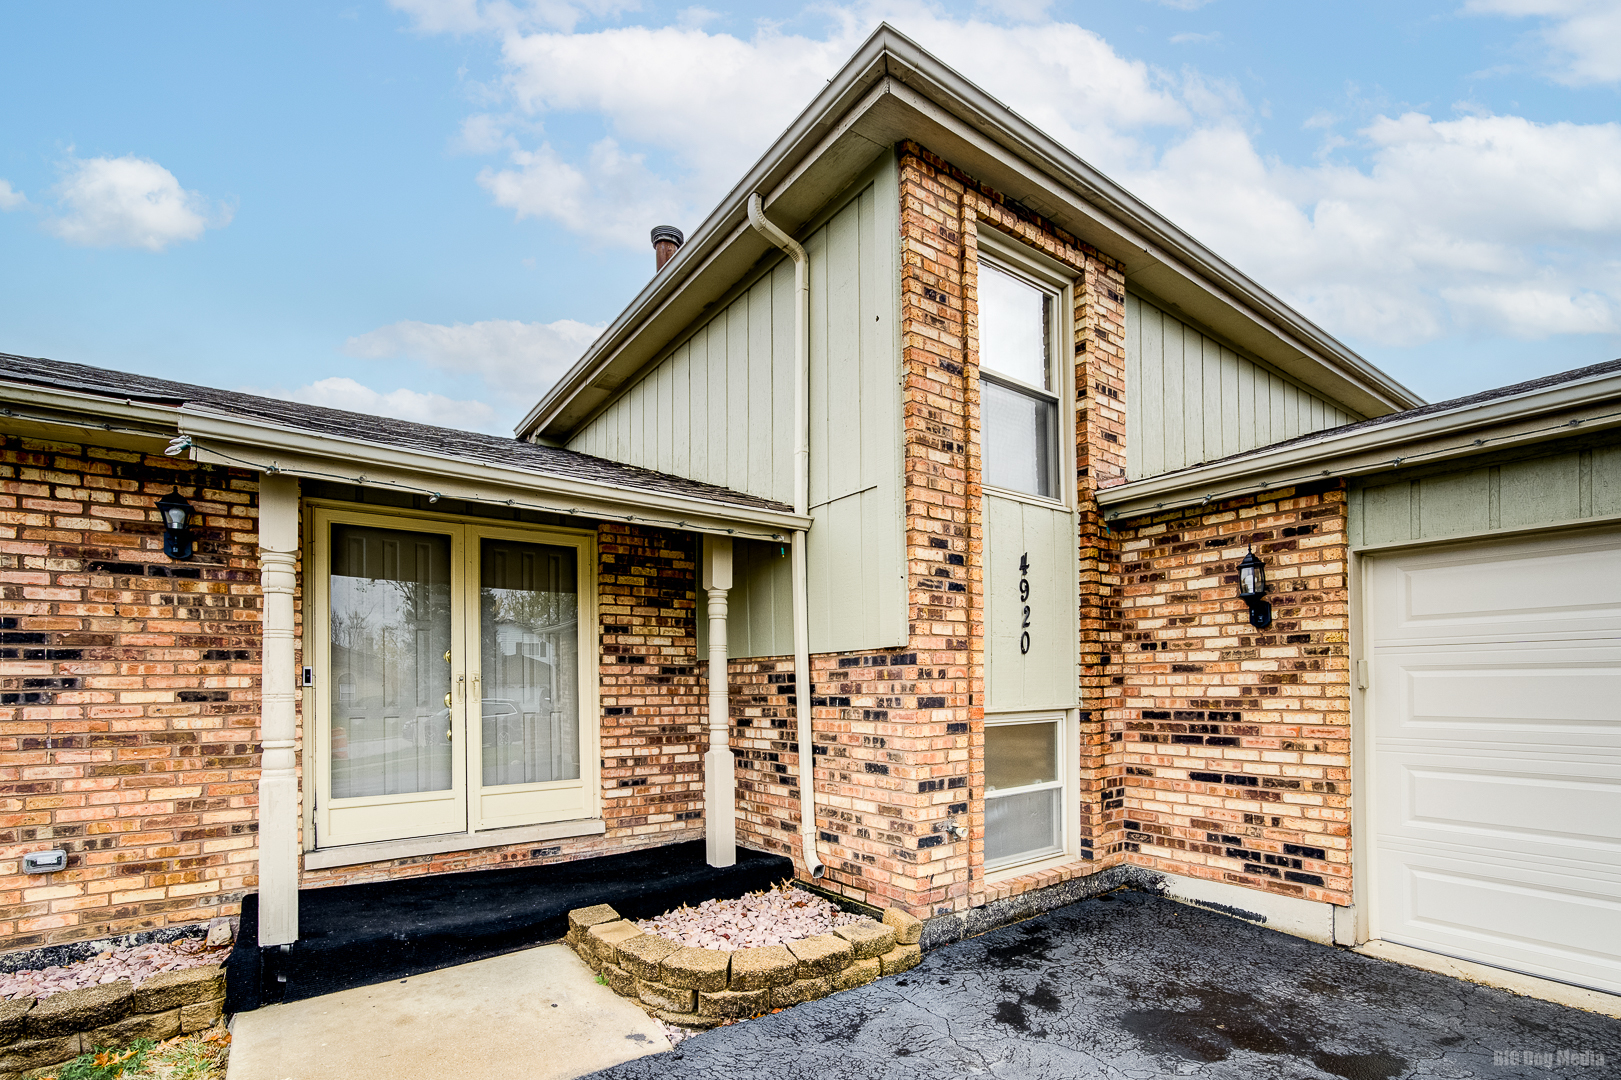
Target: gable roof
892,90
452,443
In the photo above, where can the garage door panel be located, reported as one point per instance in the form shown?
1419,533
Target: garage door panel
1495,712
1553,925
1563,692
1489,806
1508,593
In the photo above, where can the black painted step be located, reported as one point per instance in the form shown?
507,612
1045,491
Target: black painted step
359,935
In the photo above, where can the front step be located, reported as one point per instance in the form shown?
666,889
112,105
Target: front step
359,935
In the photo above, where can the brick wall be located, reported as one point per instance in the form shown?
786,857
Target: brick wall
1237,741
653,731
129,693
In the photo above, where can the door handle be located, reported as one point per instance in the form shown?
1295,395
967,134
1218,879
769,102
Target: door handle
447,699
461,688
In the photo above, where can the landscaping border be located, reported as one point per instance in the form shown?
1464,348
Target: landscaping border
43,1032
694,987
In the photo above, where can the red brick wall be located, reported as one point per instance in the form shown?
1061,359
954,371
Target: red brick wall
128,721
654,729
1238,741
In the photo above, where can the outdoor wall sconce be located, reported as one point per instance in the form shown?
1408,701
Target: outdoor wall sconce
1251,589
176,513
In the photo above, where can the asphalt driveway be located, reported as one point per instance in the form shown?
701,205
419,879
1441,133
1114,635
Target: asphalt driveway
1132,985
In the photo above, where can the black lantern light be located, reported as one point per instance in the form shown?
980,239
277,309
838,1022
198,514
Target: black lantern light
176,513
1251,589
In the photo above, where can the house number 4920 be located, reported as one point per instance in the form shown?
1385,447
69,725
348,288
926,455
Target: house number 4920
1024,598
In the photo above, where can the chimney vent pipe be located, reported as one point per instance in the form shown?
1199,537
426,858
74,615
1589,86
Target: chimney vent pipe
667,240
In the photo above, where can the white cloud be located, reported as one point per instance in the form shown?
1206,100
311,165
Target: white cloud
472,16
516,360
129,202
11,198
1191,38
1474,223
402,404
1582,37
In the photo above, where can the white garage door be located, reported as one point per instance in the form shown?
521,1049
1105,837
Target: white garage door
1495,700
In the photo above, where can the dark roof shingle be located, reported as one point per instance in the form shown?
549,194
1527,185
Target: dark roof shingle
448,442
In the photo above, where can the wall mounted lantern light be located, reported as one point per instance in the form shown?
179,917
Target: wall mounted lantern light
1251,589
176,513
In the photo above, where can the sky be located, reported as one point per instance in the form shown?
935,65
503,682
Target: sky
429,208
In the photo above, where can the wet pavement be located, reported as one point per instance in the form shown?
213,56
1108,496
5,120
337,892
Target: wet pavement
1132,985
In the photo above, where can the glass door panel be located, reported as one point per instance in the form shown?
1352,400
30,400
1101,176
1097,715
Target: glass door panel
390,715
529,678
529,622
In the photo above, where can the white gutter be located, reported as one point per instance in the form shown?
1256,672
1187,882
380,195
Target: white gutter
799,569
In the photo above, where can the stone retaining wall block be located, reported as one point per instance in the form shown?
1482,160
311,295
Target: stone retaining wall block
13,1014
868,939
172,989
900,958
859,973
669,998
762,968
583,919
801,990
641,956
686,1019
155,1026
73,1011
37,1053
604,939
621,981
908,928
201,1015
734,1004
696,969
824,954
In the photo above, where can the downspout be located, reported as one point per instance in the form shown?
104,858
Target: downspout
798,568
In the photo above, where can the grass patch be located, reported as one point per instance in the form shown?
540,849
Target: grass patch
184,1057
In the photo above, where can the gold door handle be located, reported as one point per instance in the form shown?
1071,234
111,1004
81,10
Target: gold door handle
447,699
448,735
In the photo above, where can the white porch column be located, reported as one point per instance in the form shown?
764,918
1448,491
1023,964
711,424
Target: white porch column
278,776
720,784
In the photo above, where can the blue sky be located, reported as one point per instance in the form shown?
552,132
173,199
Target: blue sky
426,208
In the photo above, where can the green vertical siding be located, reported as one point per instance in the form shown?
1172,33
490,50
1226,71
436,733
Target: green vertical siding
719,408
1510,493
1191,399
1045,676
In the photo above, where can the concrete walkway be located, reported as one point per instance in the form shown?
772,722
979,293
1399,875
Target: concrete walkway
537,1015
1134,986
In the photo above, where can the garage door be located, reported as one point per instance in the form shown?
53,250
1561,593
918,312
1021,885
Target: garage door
1495,704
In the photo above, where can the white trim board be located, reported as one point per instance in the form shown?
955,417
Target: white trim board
1310,919
383,851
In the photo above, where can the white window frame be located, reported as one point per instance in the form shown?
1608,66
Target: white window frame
483,820
1008,259
1068,782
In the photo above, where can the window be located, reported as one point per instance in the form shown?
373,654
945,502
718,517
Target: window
1024,790
1018,321
454,675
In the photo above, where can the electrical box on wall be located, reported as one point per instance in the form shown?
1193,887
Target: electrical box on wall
45,862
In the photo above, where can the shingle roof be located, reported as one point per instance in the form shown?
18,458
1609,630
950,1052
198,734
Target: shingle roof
448,442
1531,386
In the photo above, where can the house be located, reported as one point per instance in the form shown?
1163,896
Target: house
931,421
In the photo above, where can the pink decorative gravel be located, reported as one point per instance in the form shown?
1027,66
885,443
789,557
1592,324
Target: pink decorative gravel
773,916
136,963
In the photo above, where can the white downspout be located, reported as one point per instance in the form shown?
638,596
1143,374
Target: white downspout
798,568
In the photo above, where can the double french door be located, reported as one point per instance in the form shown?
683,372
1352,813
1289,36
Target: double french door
455,676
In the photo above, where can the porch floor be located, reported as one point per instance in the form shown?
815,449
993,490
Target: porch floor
359,935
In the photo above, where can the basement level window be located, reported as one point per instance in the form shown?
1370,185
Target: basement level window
1024,791
1018,323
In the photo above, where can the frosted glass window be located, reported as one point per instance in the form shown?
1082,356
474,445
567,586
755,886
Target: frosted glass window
1018,440
1018,410
529,634
1024,792
390,597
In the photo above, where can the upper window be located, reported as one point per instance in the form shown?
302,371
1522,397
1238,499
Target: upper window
1018,322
